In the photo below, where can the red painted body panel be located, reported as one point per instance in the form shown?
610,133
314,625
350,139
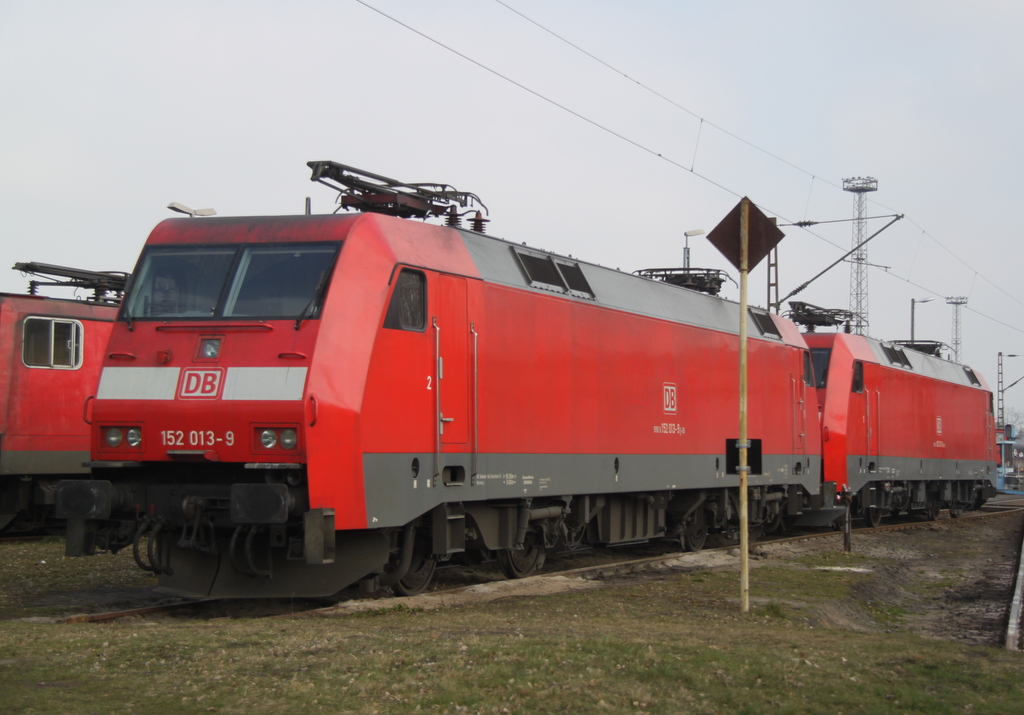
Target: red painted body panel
338,375
42,408
560,376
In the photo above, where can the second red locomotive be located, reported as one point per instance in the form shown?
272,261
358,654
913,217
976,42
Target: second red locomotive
902,430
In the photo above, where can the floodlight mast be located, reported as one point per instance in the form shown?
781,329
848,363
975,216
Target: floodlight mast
860,186
956,301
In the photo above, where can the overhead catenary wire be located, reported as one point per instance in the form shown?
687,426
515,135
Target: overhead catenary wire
659,94
638,145
751,144
585,118
550,101
703,120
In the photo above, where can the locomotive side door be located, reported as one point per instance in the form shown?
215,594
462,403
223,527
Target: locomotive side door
800,385
451,326
874,424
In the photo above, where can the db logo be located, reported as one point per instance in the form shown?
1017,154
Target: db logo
201,384
669,391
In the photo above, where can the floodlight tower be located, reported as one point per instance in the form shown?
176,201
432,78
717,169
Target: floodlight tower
956,302
859,186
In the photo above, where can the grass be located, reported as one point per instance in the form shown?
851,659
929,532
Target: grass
35,574
646,648
674,644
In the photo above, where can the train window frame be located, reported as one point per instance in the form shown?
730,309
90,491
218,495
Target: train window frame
575,280
971,376
240,280
394,319
857,384
553,274
809,380
896,356
540,271
227,279
823,357
75,346
765,324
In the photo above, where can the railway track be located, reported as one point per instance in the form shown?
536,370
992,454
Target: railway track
1013,626
19,538
207,608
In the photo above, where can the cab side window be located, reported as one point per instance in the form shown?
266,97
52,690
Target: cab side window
50,342
408,307
858,377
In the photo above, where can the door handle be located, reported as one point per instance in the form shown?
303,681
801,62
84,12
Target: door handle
443,419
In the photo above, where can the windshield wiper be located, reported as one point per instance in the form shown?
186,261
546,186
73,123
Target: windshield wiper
128,316
314,301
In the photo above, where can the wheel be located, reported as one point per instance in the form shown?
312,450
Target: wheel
873,516
932,509
955,510
695,535
520,563
418,577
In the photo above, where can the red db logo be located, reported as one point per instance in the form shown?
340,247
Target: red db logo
669,394
201,384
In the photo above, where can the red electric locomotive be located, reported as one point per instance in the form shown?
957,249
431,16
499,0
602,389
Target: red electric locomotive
902,430
291,405
49,364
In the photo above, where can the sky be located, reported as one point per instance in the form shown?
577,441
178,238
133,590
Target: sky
603,130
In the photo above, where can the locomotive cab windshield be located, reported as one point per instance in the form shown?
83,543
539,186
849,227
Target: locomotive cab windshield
266,281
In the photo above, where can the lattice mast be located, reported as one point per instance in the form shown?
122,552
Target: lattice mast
859,186
956,302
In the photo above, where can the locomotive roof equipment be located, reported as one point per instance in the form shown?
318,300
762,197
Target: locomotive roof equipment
364,191
928,347
703,280
812,317
107,286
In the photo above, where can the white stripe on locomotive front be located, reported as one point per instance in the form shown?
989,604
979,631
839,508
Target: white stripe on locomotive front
240,383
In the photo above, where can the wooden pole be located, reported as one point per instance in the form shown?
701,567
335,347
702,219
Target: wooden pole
743,445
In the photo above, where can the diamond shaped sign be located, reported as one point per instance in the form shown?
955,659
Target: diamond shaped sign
762,235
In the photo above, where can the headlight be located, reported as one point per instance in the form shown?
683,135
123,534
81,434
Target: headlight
289,439
134,437
209,348
114,437
268,438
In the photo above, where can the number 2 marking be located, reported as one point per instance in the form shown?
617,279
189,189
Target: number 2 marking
429,378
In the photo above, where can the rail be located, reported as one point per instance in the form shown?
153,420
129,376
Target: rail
1013,626
598,571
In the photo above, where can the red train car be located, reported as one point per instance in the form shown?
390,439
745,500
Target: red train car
289,405
902,430
49,363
